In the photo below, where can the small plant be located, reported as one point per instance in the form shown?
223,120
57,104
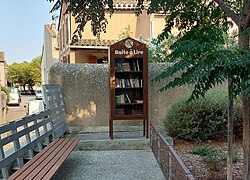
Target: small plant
5,89
214,158
216,162
204,151
125,33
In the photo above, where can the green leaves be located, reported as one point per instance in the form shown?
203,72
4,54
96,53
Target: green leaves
25,73
184,15
203,119
203,59
87,11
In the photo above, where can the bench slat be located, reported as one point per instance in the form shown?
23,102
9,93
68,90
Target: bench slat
44,160
54,165
32,161
47,161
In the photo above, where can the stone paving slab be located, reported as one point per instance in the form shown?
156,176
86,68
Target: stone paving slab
110,165
121,141
117,135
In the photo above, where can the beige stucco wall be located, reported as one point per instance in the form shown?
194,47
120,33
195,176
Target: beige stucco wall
3,70
139,26
3,107
81,56
145,26
2,74
72,57
63,28
86,93
157,25
50,51
116,25
142,25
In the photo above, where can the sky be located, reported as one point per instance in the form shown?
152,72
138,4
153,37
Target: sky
21,28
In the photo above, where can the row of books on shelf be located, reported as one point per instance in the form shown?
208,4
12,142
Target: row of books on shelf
123,111
128,66
128,82
124,98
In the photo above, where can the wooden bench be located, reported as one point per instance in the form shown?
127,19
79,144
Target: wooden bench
47,162
35,147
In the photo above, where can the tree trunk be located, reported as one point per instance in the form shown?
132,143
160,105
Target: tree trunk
244,44
230,132
246,137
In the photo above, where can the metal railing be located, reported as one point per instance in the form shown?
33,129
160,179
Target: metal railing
170,163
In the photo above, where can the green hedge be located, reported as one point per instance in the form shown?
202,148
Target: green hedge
203,119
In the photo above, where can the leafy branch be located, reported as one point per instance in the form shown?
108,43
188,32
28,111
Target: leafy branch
203,59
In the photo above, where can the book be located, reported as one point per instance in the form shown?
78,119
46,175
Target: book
131,83
126,66
139,101
129,101
123,83
117,82
134,66
117,100
137,83
119,66
127,83
138,66
122,99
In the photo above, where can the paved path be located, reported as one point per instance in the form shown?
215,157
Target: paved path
110,165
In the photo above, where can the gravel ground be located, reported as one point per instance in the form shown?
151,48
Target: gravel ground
200,169
110,165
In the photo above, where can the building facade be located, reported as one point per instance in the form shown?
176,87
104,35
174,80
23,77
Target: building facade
90,49
50,54
3,70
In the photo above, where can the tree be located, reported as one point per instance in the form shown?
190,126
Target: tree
239,12
35,68
16,74
13,72
205,58
184,15
25,73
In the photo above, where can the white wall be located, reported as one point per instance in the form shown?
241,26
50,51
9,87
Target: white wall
3,77
50,53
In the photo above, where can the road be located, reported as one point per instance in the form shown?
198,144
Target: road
17,112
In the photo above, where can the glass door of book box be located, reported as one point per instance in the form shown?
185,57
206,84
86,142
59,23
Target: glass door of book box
128,86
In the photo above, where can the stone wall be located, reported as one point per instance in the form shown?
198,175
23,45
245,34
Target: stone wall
86,93
3,107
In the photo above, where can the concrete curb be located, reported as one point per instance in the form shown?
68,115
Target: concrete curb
121,141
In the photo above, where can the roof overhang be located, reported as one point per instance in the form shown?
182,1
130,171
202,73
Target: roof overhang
89,47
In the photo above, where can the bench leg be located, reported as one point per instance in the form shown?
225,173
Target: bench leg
5,173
